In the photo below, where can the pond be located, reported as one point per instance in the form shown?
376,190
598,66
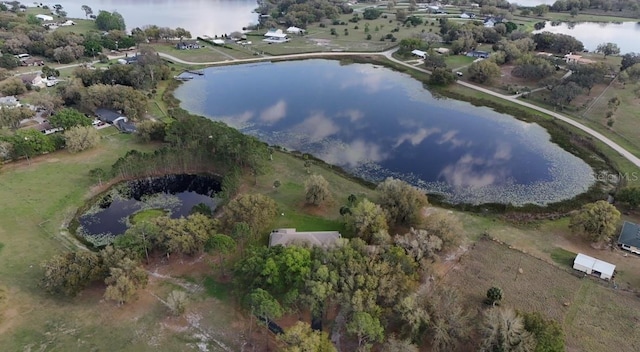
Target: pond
110,213
199,17
591,34
375,123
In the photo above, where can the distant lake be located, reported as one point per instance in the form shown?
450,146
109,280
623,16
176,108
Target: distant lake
377,123
591,34
201,17
532,3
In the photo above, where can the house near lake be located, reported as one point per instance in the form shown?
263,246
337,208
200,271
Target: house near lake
295,30
188,45
291,237
571,58
116,119
419,53
629,238
276,36
593,266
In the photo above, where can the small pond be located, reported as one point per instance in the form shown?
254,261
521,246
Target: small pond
110,213
591,34
377,123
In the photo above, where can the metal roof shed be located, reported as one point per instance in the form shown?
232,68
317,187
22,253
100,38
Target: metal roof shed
593,266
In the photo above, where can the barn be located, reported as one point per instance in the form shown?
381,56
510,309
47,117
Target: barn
593,266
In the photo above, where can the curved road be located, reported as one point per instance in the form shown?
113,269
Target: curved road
388,54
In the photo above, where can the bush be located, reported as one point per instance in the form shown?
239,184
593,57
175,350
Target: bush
177,302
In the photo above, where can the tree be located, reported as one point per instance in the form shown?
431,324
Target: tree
446,226
316,190
139,238
494,295
106,21
69,273
124,281
87,10
450,322
48,103
595,221
540,10
402,202
30,142
395,345
483,71
628,60
503,330
629,195
371,13
12,117
563,94
68,118
301,338
433,61
608,49
8,61
366,219
150,131
413,315
12,86
442,77
256,210
177,302
419,244
407,45
547,332
80,138
222,245
276,184
366,328
264,306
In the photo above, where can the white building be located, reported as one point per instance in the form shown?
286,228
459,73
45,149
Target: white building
45,18
295,30
276,36
419,53
291,237
593,266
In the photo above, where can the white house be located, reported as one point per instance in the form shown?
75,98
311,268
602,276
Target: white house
295,30
276,36
464,15
419,53
593,266
67,23
291,237
44,17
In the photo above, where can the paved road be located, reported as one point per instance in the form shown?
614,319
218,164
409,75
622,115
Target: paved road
389,55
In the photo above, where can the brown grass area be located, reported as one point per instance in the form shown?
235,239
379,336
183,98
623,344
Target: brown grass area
595,317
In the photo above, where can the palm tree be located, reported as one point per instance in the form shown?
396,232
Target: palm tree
504,331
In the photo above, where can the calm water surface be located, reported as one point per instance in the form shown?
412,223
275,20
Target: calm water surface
201,17
625,34
377,123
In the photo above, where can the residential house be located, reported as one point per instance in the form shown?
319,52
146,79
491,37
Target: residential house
479,54
33,79
467,15
126,126
10,101
276,36
110,116
128,60
629,238
442,51
419,53
187,45
46,128
291,237
593,266
571,58
491,21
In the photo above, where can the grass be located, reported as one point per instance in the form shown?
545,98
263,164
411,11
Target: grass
147,215
563,257
217,289
456,61
209,53
80,27
594,317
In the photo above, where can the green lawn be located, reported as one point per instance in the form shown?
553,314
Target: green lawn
147,215
81,27
457,61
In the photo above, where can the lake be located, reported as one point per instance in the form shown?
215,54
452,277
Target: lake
591,34
200,17
532,3
376,123
110,213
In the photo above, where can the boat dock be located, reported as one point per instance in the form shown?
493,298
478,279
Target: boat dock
195,72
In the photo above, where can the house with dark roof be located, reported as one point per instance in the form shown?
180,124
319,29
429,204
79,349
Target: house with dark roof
629,238
291,237
126,126
110,116
479,54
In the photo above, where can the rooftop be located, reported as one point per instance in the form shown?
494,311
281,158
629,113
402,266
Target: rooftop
630,234
595,264
285,237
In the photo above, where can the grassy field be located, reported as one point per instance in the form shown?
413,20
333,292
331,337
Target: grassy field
457,61
594,317
209,53
80,27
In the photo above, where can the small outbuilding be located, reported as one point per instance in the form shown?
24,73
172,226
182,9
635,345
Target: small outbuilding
629,238
110,116
479,54
291,237
419,53
593,266
276,36
44,17
295,30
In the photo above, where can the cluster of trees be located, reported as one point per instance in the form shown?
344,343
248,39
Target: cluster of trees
300,13
108,21
604,5
596,222
582,79
69,273
557,43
